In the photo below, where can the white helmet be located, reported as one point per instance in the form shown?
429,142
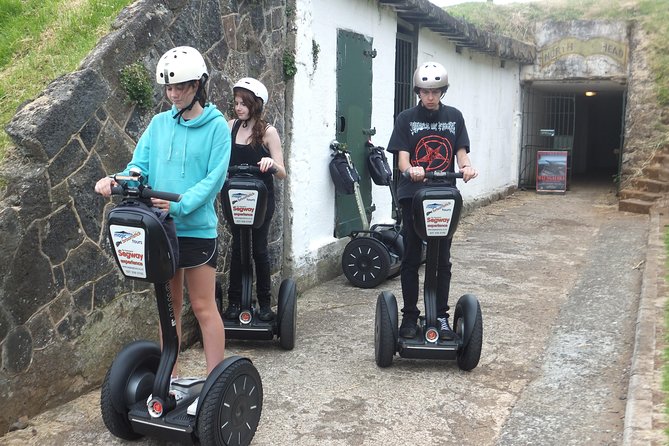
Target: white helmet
254,86
181,64
430,75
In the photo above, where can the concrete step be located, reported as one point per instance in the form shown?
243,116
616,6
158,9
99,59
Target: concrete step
639,195
657,172
650,185
635,206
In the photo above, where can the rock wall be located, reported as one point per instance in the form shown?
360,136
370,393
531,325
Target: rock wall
65,310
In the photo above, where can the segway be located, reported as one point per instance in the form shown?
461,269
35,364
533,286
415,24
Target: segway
137,399
374,253
436,213
244,199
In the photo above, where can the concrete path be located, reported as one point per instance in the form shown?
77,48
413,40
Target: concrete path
572,295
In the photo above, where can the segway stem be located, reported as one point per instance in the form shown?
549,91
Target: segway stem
170,343
247,267
430,288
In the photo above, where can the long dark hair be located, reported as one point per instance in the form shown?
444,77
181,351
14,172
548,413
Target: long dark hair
255,106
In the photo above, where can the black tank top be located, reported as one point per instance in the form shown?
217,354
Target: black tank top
250,154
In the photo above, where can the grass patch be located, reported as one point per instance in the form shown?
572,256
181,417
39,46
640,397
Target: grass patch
665,368
44,39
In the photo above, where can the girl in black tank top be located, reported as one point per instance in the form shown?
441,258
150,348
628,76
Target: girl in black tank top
256,143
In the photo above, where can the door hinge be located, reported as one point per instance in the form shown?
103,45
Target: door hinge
371,54
369,132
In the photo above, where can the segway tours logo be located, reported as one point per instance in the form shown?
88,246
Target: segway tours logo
438,215
129,245
243,204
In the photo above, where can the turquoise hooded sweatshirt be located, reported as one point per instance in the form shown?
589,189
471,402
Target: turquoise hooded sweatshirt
189,158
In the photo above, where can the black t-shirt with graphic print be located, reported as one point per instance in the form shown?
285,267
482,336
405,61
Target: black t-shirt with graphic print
432,139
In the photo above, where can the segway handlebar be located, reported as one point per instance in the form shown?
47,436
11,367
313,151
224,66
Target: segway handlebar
248,169
436,175
141,191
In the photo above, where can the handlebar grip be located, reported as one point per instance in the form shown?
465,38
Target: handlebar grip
436,175
169,196
245,168
117,190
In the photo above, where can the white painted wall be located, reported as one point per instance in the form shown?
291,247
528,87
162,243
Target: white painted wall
315,101
489,98
487,95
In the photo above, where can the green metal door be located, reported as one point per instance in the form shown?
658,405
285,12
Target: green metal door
354,114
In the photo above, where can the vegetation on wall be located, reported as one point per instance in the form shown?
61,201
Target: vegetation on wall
44,39
137,84
289,67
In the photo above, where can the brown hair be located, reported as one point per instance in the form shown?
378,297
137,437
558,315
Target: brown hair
255,106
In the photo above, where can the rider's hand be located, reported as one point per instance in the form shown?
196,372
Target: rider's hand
265,163
104,185
469,173
416,173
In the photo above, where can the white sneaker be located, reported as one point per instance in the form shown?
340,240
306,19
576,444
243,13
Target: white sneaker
192,409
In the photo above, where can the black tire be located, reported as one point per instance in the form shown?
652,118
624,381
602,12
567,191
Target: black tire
287,314
128,380
469,354
365,262
385,329
230,411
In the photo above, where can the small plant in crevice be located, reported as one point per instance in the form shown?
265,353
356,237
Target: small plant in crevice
289,67
315,50
137,84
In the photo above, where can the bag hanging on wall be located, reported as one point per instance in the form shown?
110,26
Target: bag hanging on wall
378,166
343,172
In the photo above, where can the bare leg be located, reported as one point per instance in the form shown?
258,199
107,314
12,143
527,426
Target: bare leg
201,283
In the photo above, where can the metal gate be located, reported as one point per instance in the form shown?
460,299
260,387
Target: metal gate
548,124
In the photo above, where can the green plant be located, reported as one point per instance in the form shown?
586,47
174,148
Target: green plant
42,40
289,67
137,84
315,50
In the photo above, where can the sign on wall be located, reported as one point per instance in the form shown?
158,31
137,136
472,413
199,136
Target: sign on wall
597,46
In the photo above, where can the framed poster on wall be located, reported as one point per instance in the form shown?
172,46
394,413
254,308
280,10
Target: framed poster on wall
552,171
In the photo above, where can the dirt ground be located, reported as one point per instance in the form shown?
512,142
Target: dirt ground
559,280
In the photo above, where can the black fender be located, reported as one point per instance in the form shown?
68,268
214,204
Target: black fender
134,355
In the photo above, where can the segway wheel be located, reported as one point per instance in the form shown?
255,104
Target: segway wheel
230,411
468,325
385,329
128,380
287,314
365,262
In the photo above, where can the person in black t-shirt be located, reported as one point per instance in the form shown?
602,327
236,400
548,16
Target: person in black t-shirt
427,137
256,143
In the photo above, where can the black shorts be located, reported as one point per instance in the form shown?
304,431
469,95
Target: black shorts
197,251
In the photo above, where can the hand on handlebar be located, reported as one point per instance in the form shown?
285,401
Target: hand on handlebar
415,173
104,186
469,173
265,164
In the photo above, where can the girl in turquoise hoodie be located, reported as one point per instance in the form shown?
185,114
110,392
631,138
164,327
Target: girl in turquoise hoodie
186,150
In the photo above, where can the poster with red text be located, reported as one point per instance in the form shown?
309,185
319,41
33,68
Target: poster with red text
552,171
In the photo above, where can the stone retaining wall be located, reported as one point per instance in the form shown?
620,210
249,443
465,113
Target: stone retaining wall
65,310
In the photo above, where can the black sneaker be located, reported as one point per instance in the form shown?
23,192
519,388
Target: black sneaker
445,332
232,312
409,327
265,314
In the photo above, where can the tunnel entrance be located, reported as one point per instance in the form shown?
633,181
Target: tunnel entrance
586,119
